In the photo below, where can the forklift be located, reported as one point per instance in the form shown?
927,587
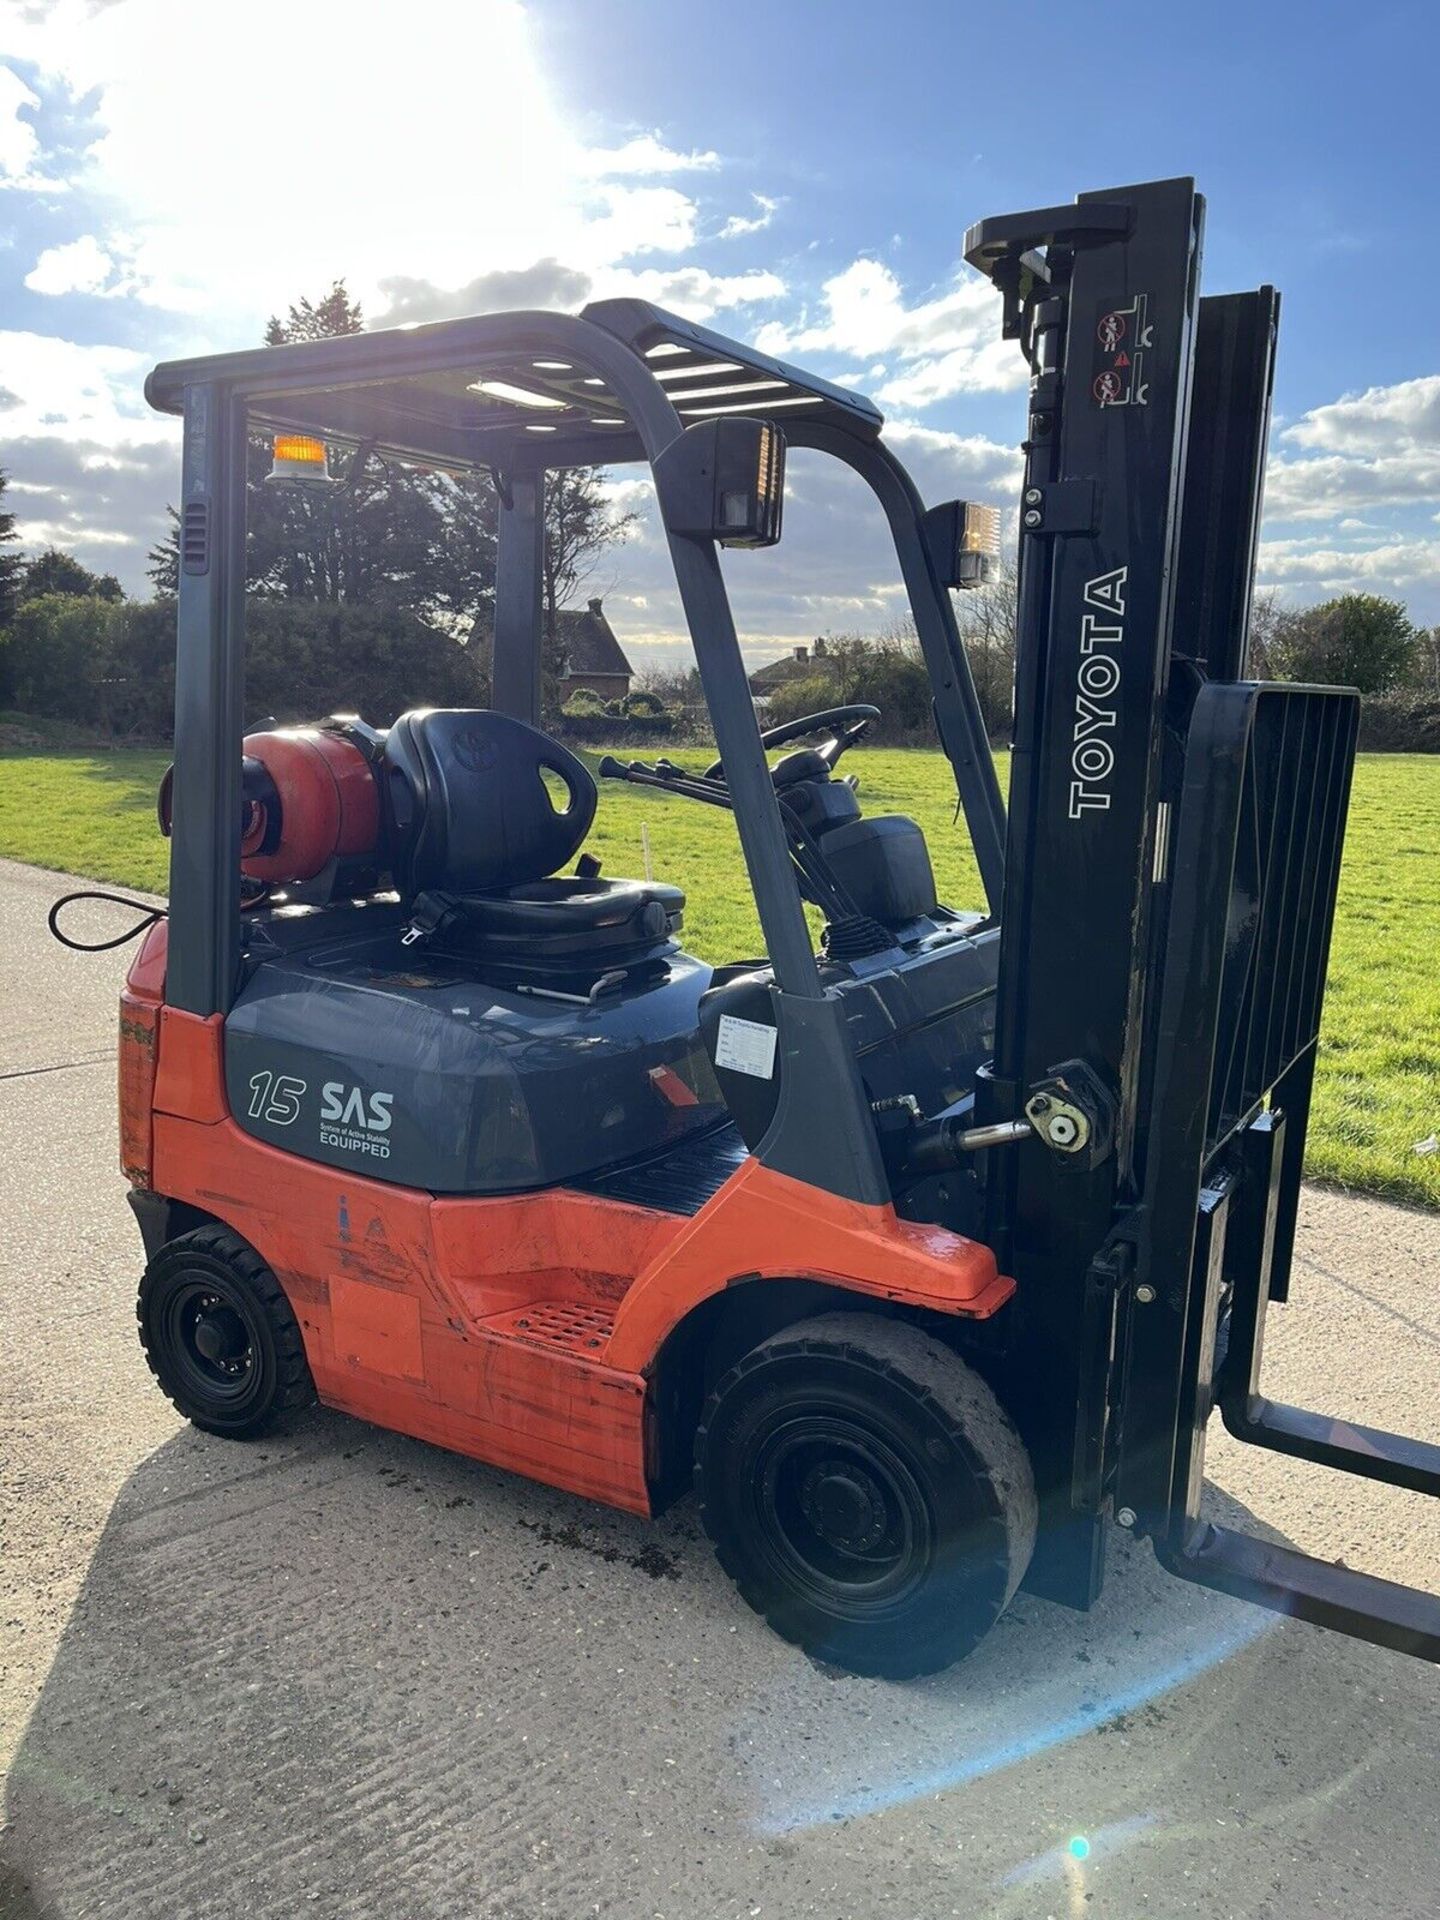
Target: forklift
924,1251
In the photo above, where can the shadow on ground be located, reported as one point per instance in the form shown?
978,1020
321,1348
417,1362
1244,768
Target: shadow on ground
341,1673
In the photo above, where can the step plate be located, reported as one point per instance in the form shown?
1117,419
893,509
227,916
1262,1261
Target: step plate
572,1326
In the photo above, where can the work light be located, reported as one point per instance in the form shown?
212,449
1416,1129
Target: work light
725,480
964,541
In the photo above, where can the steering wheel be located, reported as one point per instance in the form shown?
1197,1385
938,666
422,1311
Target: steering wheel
844,725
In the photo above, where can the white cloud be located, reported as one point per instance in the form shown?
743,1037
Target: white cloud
72,392
1317,566
988,368
19,142
694,291
80,266
1379,421
949,466
647,153
100,500
544,283
1333,484
630,220
89,466
950,344
739,224
1380,448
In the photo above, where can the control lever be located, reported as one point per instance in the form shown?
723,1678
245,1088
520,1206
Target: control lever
914,1147
938,1146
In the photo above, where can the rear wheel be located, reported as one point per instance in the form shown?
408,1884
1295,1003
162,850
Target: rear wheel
867,1493
220,1336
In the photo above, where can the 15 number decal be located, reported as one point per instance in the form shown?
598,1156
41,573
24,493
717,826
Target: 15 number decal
276,1098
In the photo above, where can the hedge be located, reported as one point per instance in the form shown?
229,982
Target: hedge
112,667
1400,722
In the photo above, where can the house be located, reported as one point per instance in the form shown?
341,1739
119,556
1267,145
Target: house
594,658
801,663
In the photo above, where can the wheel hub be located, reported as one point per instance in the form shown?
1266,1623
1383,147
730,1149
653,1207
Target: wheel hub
219,1336
844,1504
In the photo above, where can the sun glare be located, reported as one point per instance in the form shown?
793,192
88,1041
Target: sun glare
268,155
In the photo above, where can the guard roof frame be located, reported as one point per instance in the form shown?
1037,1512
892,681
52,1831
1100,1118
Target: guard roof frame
617,377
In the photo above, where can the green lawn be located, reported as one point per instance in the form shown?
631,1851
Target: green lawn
1379,1085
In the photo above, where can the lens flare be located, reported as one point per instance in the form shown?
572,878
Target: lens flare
1047,1719
1079,1847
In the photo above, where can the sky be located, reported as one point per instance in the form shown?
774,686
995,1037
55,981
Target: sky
799,174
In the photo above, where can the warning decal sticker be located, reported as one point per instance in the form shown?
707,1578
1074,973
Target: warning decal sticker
1123,336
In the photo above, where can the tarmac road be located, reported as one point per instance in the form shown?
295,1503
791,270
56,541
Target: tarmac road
343,1673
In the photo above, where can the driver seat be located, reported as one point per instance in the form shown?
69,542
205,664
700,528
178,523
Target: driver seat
476,836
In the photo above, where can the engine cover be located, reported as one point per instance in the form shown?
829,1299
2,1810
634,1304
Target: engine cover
410,1072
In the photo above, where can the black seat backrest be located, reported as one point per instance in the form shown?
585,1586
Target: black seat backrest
469,808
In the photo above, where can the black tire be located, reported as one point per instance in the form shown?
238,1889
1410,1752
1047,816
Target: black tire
866,1492
219,1334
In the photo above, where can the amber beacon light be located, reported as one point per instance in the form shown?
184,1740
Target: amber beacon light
299,461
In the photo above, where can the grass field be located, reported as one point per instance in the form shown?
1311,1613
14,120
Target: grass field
1379,1085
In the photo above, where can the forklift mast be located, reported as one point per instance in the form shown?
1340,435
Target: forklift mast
1172,863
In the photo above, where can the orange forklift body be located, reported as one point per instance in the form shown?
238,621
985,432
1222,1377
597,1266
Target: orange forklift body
521,1330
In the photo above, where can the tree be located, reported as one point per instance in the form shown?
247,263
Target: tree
384,536
1425,668
888,670
986,618
579,524
883,670
1266,618
390,536
324,319
56,657
56,572
11,563
374,539
1358,640
163,570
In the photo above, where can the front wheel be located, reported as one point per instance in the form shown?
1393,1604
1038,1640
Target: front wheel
220,1335
867,1493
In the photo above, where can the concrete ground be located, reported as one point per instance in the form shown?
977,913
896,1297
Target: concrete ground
342,1673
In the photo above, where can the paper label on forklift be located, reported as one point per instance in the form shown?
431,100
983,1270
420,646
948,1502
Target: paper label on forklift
746,1046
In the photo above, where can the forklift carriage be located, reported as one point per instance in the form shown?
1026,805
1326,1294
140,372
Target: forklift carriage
928,1254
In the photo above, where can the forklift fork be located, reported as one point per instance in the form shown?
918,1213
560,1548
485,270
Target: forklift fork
1277,1576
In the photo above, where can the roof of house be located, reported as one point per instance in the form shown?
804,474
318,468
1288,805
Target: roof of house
590,643
799,664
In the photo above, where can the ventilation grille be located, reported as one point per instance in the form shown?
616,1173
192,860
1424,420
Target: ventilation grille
195,537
